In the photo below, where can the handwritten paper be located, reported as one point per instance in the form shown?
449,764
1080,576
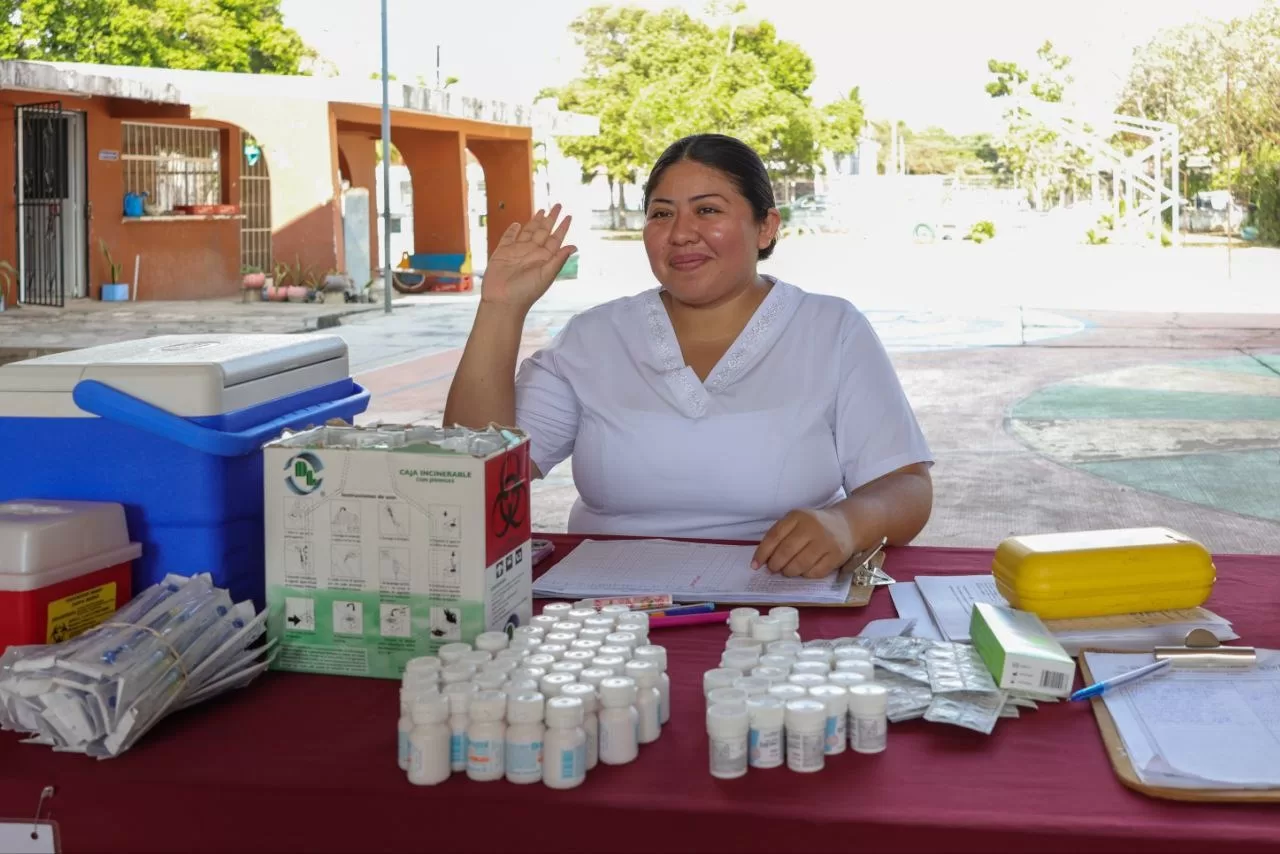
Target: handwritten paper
690,572
1198,728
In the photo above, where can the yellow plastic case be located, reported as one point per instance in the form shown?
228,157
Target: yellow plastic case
1095,573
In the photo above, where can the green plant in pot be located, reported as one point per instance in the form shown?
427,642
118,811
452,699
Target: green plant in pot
299,290
252,282
278,289
113,290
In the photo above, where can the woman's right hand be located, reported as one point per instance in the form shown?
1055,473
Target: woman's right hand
527,261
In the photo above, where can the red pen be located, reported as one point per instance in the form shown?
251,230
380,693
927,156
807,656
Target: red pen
687,620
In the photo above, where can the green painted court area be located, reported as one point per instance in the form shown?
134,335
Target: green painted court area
1244,480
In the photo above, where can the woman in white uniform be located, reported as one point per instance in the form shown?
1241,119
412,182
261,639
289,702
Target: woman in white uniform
724,404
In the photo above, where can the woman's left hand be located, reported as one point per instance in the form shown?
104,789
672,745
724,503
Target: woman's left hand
812,543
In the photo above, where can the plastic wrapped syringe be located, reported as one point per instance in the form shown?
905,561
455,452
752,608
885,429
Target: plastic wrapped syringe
176,643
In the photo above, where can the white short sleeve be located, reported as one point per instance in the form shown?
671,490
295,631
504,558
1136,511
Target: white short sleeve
876,430
547,409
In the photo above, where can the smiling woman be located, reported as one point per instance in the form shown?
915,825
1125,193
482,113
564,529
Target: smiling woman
722,404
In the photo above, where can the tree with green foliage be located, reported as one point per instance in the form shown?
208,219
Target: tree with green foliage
652,77
1219,82
203,35
934,151
1040,160
843,122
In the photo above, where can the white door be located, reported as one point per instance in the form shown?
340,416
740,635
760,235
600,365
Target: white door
75,237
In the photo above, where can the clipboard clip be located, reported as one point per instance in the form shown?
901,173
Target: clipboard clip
867,565
1203,651
45,794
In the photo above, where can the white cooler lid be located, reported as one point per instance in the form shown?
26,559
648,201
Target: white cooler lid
188,375
44,542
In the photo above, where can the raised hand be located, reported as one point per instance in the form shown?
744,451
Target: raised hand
527,260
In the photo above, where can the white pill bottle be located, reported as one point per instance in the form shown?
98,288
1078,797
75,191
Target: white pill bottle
564,764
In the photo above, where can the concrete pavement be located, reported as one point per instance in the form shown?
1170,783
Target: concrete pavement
1060,388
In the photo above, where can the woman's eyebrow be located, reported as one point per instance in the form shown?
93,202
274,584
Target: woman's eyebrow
697,198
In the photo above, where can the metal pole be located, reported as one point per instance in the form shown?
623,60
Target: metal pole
386,169
1177,190
22,211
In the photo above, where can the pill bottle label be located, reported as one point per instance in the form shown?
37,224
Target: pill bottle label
402,752
869,734
766,748
458,749
837,732
524,759
485,756
416,759
573,763
804,751
728,756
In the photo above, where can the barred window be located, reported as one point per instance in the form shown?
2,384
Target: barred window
174,165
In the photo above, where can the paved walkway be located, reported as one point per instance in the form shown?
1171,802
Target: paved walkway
34,330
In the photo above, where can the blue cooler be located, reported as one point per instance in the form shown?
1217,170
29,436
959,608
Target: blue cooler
172,428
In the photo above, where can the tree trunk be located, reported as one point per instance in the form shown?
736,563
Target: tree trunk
622,202
613,209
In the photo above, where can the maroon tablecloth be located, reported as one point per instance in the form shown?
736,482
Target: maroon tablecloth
306,763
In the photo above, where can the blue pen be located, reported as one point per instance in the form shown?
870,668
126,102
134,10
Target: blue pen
682,610
1123,679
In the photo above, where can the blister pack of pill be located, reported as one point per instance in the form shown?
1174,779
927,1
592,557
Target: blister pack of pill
913,670
978,712
954,668
902,648
908,698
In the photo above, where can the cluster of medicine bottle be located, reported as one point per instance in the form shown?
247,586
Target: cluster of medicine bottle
574,688
773,701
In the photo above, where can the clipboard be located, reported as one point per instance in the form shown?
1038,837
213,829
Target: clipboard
870,562
31,836
1128,775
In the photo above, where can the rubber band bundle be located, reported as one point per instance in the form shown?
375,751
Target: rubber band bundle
175,644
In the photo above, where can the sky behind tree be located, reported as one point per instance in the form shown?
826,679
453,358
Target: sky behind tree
921,62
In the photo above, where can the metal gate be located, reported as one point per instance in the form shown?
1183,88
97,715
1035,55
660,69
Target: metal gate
255,206
42,185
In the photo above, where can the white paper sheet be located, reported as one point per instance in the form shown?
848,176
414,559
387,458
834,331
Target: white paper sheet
690,572
1198,728
950,599
888,628
907,599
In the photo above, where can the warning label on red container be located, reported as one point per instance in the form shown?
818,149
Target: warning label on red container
75,614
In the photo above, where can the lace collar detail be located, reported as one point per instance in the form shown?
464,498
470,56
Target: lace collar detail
751,343
682,381
693,396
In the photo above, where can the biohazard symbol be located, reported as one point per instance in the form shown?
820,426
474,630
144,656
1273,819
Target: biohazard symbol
507,512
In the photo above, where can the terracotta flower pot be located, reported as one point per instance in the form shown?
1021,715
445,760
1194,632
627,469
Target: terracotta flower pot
297,293
275,294
252,281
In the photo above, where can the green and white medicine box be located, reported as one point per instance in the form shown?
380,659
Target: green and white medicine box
383,544
1020,652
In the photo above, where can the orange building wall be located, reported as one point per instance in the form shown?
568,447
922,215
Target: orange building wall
437,162
508,178
179,260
